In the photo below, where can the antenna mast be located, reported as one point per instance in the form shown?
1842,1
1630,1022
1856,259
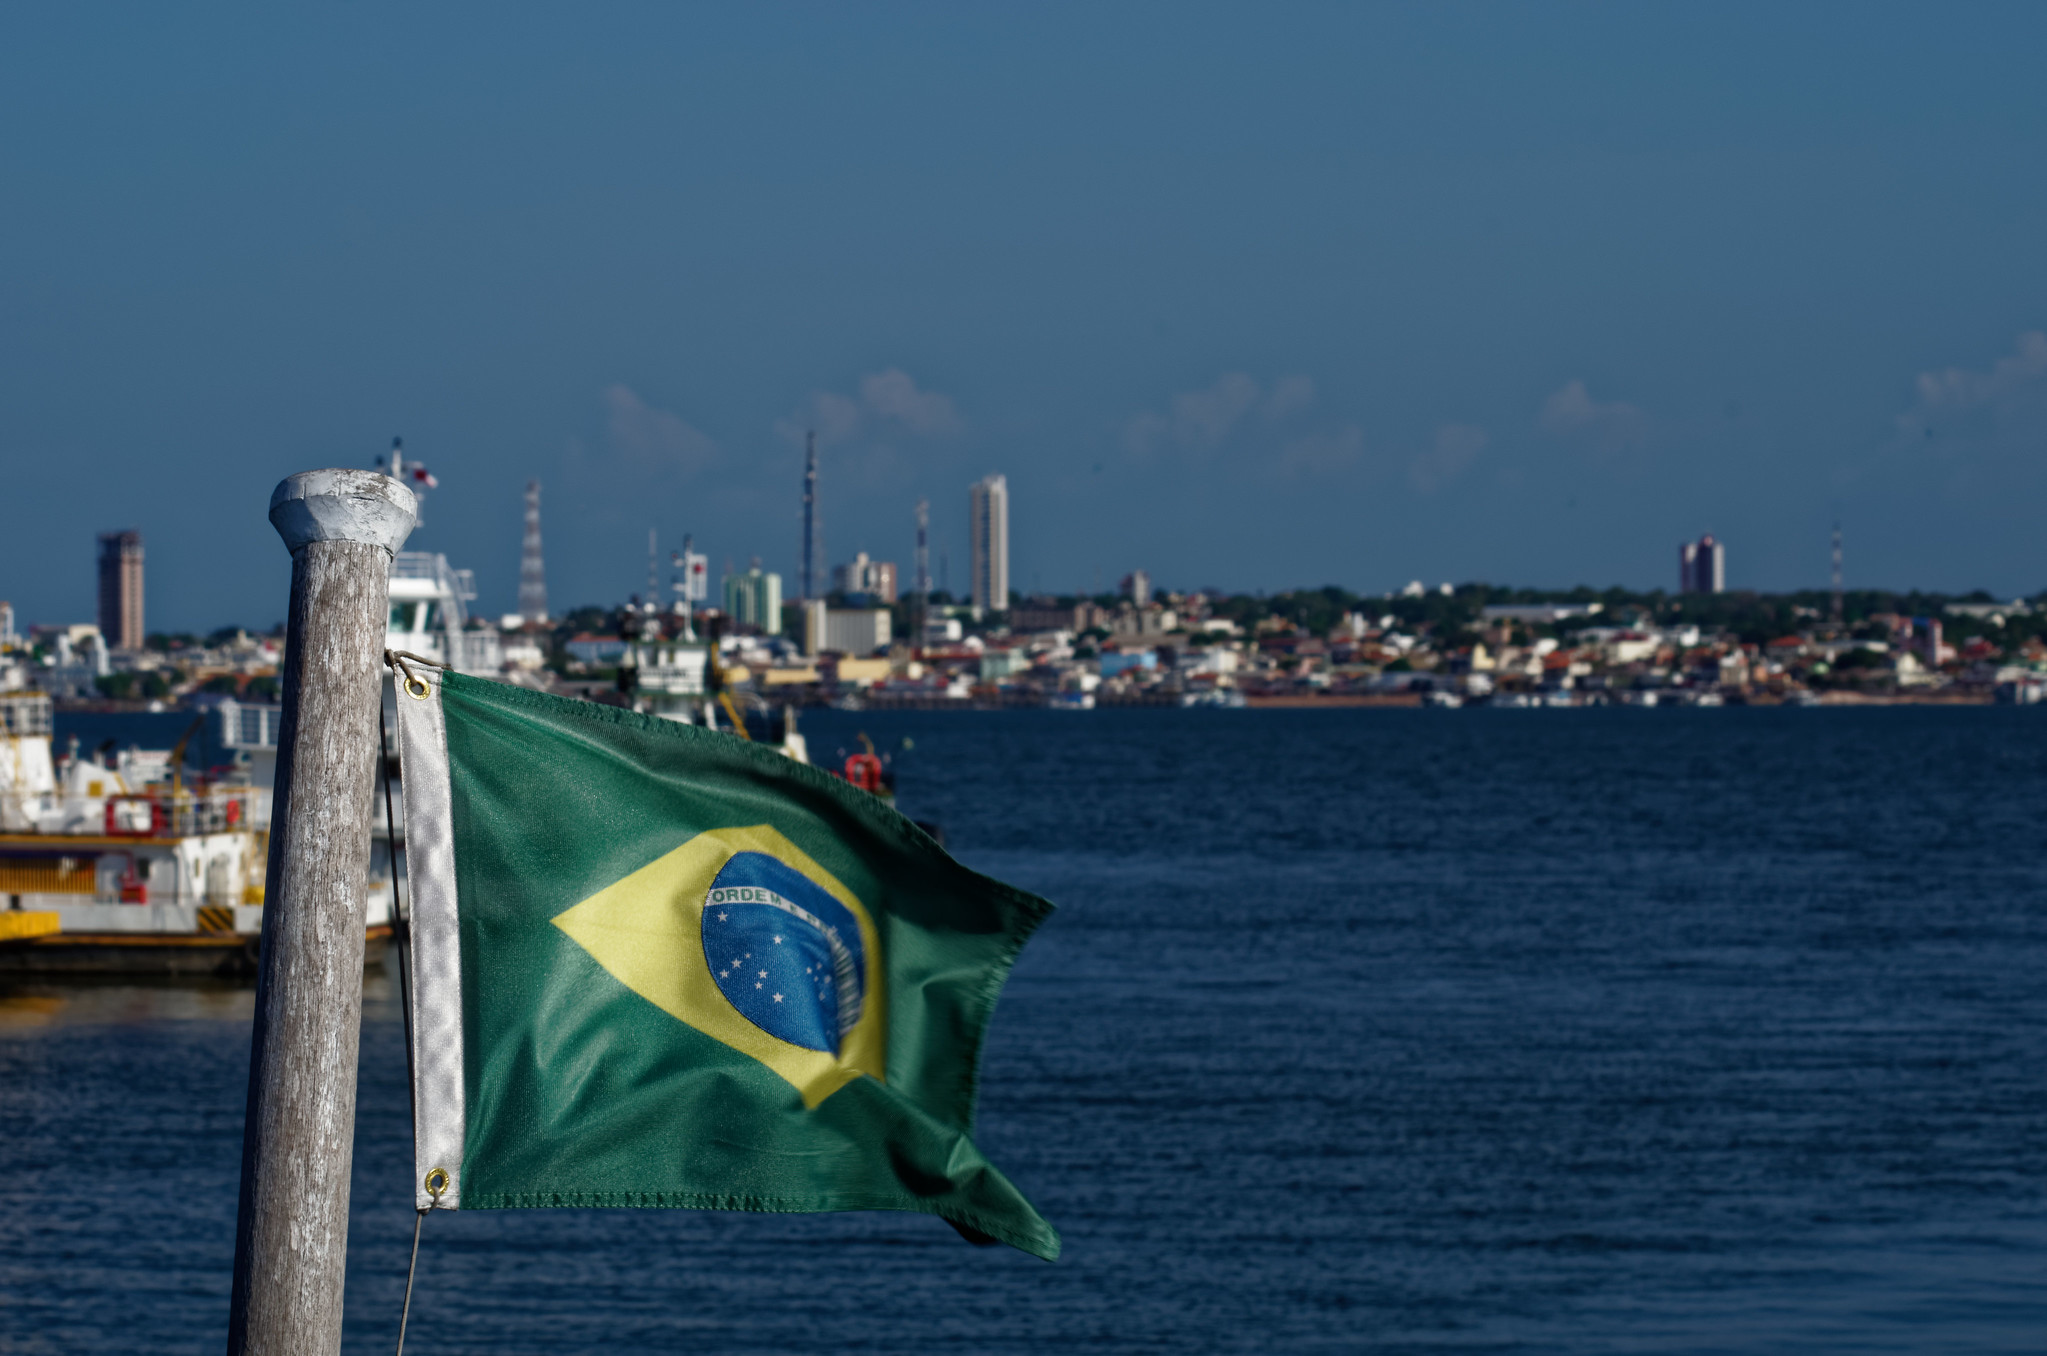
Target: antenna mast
813,530
920,597
1837,572
653,575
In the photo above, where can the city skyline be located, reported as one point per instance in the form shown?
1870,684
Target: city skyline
1326,295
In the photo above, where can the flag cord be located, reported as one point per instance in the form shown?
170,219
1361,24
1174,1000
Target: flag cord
401,932
405,1313
414,684
401,926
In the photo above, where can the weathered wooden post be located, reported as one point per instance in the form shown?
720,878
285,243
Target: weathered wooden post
291,1240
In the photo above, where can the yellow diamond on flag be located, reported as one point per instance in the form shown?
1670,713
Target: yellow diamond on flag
741,935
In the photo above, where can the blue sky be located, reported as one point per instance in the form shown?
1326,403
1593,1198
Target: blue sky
1249,296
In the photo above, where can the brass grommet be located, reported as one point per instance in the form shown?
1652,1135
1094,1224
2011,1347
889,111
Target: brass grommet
436,1182
416,687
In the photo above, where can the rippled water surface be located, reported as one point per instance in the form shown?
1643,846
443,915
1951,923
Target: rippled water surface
1502,1031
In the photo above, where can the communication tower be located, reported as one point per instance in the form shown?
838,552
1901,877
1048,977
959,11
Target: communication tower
653,574
813,530
1837,572
532,571
920,595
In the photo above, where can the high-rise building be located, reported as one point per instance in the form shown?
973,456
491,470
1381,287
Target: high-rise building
755,599
875,578
1137,587
988,542
532,571
1702,566
121,589
8,639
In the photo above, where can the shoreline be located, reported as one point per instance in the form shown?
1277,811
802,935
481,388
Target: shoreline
1355,700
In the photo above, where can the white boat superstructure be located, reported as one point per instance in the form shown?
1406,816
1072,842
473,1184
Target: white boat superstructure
429,615
114,861
680,679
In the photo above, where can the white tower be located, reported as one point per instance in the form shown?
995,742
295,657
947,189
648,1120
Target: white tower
988,530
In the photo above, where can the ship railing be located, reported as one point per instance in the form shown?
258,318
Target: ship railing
25,714
245,726
177,814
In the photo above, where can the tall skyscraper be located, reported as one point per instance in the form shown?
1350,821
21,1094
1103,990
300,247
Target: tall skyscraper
1702,566
532,572
988,547
812,582
121,589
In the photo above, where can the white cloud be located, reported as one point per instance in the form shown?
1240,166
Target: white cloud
1324,452
1610,426
1451,450
831,416
887,400
654,438
2014,385
893,395
1200,421
1290,395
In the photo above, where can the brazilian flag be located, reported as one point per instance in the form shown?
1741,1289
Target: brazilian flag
656,965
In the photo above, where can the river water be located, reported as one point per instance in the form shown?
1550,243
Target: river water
1604,1030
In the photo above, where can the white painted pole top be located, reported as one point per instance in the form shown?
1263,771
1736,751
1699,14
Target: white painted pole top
342,504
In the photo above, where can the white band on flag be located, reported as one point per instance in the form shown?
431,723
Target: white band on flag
440,1116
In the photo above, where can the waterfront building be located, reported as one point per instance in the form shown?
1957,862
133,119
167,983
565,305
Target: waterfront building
858,631
1702,566
596,650
997,665
120,589
1150,620
8,640
755,599
875,578
1926,631
1035,615
1136,587
988,532
1124,661
76,658
1539,613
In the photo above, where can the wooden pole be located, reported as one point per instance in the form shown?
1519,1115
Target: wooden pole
291,1238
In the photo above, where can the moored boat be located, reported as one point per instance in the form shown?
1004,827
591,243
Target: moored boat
114,862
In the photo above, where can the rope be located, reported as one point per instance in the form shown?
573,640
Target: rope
390,656
401,926
396,659
405,1314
